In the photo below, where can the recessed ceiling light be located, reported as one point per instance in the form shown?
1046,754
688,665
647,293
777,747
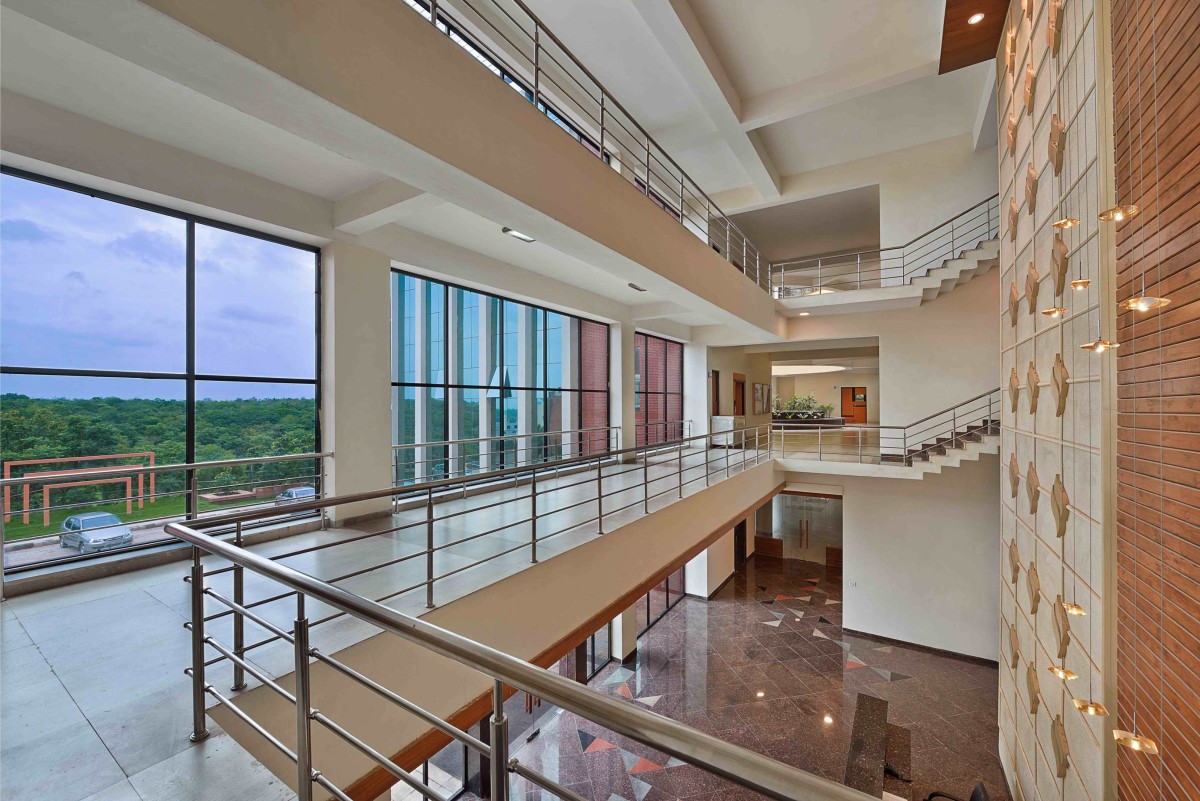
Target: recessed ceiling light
517,234
975,19
760,694
828,718
805,369
803,314
635,286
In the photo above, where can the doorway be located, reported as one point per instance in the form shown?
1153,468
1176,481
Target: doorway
739,544
739,395
715,394
854,404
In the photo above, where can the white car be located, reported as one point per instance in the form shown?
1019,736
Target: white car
94,531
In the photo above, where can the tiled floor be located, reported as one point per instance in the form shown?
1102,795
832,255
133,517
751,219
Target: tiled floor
93,700
774,630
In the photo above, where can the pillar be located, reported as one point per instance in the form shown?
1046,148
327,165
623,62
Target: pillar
355,377
624,635
621,383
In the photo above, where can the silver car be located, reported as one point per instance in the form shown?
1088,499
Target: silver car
296,495
94,531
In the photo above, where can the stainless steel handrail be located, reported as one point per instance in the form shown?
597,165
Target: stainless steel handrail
847,271
543,65
739,765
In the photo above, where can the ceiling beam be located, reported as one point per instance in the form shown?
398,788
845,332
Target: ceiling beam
829,89
378,205
677,30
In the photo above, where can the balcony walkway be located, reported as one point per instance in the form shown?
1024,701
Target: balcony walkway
94,690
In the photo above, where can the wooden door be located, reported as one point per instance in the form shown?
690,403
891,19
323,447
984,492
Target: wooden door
715,398
739,544
854,404
739,395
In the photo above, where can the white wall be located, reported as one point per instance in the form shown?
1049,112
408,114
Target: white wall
709,569
921,558
919,187
930,356
755,366
827,388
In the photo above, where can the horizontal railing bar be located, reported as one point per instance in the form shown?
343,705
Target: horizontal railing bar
245,718
385,763
425,715
237,608
330,787
249,668
738,764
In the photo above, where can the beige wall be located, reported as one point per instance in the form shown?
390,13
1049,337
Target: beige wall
755,366
1075,446
930,356
827,388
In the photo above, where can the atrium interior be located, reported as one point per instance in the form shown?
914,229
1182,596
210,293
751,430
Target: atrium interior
636,400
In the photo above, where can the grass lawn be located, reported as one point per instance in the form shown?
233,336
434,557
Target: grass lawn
170,507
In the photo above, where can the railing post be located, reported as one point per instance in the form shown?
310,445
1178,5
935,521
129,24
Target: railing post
193,501
727,443
599,498
537,52
199,727
858,269
533,518
239,622
954,428
707,450
820,450
602,121
429,549
498,764
304,771
860,433
646,482
680,449
647,190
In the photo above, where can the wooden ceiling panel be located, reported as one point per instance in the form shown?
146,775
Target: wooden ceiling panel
964,44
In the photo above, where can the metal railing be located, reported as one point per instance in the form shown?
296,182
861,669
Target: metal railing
205,488
893,266
512,43
867,443
301,592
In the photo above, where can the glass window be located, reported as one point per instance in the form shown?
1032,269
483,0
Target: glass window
658,398
94,361
514,381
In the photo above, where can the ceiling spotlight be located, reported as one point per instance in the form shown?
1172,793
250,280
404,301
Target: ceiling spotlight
635,286
1100,345
759,694
975,19
1091,708
517,234
1119,213
1074,609
1062,672
1135,742
1065,222
803,314
1144,304
828,718
1080,284
1055,311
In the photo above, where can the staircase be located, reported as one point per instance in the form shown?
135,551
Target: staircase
917,272
962,445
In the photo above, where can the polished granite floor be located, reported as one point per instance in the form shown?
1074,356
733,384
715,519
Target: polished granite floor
765,665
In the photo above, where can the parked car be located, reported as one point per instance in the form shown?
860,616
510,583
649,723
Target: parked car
296,495
94,531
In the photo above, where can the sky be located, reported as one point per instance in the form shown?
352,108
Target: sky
91,284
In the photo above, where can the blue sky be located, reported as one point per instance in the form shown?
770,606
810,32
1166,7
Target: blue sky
91,284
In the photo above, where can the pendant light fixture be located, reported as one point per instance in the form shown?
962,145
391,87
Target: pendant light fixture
1120,213
1143,302
1064,223
1099,344
1074,609
1091,708
1062,672
1135,742
1055,311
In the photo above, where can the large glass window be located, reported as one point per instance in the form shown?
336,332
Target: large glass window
484,383
132,335
658,389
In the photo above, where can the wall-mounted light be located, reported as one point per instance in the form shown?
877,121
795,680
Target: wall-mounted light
1119,213
1094,708
517,234
975,19
1135,742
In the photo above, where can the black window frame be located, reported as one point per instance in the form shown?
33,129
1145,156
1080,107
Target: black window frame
189,376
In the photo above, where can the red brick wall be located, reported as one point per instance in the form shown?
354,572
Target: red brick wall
1156,58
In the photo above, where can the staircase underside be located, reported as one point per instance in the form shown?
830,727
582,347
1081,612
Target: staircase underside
925,287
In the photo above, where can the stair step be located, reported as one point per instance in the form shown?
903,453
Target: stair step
866,762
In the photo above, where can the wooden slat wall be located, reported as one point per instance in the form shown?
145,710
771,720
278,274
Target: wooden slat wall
1156,57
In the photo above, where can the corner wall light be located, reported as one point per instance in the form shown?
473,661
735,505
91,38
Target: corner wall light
517,234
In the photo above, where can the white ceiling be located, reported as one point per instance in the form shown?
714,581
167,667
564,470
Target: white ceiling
842,222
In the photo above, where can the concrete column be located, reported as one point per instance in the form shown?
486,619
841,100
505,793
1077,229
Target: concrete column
696,383
620,383
355,381
624,634
709,569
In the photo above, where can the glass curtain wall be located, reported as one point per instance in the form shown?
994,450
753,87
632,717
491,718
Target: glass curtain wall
658,386
483,383
132,335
